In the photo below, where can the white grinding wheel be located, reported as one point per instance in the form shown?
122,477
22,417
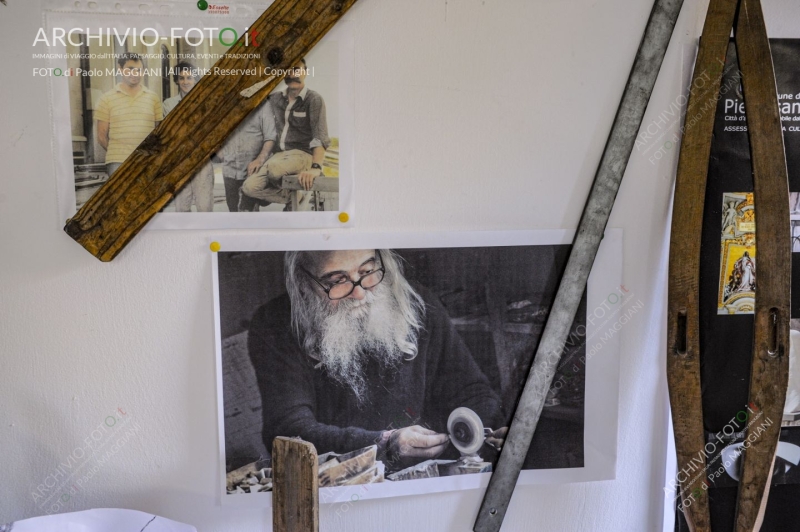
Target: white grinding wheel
466,430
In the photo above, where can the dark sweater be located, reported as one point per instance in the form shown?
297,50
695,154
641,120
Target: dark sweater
299,400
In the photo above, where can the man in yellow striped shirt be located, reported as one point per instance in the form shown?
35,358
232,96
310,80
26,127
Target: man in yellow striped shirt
126,114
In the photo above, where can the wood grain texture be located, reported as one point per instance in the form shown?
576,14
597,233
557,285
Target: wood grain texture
184,141
295,481
683,307
769,371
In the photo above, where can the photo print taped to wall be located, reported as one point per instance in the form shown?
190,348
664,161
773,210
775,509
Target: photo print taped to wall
401,358
116,69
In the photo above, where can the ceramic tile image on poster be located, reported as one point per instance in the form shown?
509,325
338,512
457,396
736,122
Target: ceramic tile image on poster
89,97
481,315
738,262
737,276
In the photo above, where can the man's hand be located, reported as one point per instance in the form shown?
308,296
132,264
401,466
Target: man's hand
306,178
409,443
497,438
253,167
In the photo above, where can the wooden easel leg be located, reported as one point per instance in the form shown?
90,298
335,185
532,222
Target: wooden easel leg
295,481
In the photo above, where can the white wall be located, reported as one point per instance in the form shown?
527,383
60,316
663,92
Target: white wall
502,109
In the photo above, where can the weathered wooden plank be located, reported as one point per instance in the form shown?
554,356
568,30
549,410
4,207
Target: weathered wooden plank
769,371
683,307
295,486
176,150
321,184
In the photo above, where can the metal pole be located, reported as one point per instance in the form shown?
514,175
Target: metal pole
615,158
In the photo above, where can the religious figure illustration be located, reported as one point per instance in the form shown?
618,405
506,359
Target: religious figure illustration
729,218
743,277
737,275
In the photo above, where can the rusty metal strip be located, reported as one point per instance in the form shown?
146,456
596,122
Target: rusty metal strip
615,158
683,307
769,372
176,150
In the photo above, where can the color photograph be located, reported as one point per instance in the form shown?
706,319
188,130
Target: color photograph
290,155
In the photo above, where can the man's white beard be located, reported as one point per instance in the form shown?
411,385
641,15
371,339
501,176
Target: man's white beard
353,331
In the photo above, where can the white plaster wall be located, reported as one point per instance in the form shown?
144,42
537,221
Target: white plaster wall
502,109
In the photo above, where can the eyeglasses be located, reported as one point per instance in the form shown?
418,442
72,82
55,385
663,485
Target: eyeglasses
345,286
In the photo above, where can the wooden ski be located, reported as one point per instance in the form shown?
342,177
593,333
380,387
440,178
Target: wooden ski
769,371
770,363
683,303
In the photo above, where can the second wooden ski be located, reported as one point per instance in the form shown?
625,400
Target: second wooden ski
769,368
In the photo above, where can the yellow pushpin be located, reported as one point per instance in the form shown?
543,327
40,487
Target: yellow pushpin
344,217
215,247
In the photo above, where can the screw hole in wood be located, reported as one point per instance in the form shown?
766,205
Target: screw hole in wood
681,342
772,348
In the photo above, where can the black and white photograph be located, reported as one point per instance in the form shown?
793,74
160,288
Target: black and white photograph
397,364
288,160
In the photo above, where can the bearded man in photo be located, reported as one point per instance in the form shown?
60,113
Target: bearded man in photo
354,355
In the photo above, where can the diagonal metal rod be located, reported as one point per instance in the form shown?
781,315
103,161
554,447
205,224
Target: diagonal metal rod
593,222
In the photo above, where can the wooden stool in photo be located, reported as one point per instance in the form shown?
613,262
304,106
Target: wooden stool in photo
325,195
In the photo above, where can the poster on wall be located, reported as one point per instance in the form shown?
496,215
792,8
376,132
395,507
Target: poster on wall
730,236
117,70
729,271
401,358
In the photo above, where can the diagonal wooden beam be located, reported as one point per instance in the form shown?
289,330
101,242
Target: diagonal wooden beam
177,149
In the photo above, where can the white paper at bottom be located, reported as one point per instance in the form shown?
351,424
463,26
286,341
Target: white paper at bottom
101,520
